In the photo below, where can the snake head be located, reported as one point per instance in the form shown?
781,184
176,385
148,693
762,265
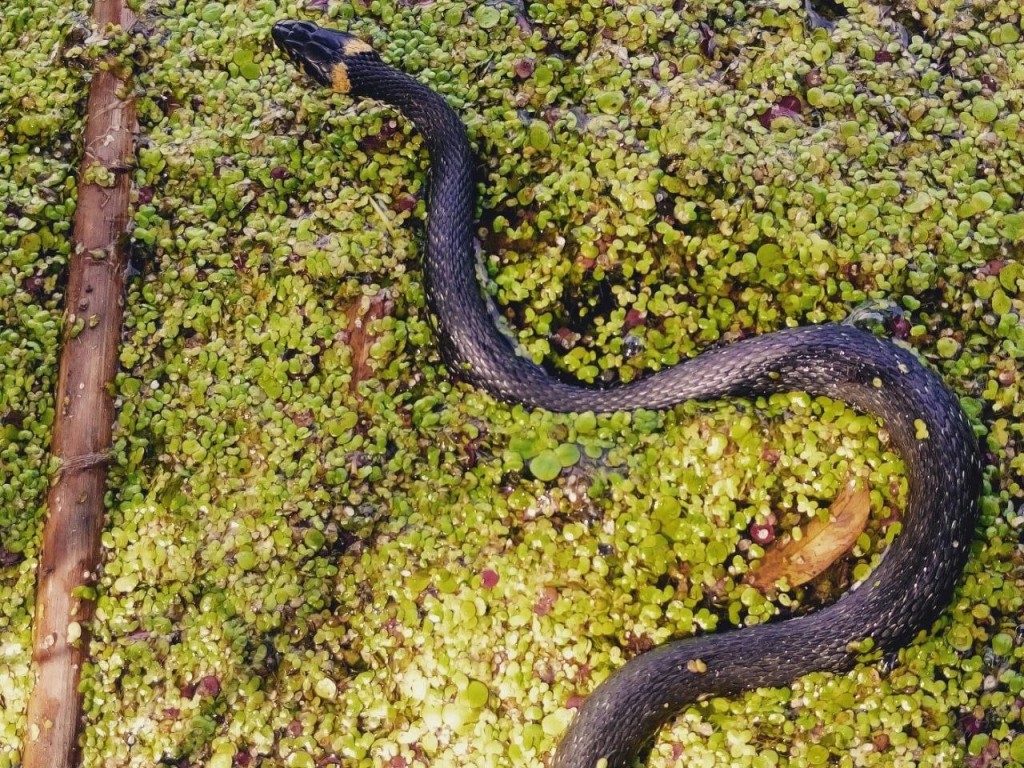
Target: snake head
325,54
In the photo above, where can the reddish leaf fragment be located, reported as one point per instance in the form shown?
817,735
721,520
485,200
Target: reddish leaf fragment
489,578
634,317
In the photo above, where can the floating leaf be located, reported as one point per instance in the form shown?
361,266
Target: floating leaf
1012,226
487,16
568,454
770,255
540,136
476,694
610,102
824,541
985,110
546,465
1017,749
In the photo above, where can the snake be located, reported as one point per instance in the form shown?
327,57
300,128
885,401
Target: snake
903,595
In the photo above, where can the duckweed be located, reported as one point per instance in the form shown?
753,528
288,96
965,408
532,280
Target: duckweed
307,569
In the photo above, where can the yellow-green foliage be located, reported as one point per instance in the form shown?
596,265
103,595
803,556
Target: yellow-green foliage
419,575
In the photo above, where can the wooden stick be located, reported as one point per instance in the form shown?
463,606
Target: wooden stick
84,415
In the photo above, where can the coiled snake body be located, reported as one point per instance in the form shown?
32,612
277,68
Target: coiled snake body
903,595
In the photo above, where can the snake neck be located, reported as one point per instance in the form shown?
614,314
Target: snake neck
472,344
449,260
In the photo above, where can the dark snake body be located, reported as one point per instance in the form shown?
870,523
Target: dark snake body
927,426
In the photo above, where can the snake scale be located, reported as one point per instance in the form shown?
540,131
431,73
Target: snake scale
927,426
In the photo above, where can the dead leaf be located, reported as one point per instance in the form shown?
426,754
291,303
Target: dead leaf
823,542
361,314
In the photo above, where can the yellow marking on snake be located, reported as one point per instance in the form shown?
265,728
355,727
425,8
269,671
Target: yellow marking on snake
354,46
339,78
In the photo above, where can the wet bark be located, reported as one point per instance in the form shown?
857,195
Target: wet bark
82,427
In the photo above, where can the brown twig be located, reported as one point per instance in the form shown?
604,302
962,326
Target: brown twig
85,413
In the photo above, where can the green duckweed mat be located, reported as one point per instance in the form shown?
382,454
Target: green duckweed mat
303,571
